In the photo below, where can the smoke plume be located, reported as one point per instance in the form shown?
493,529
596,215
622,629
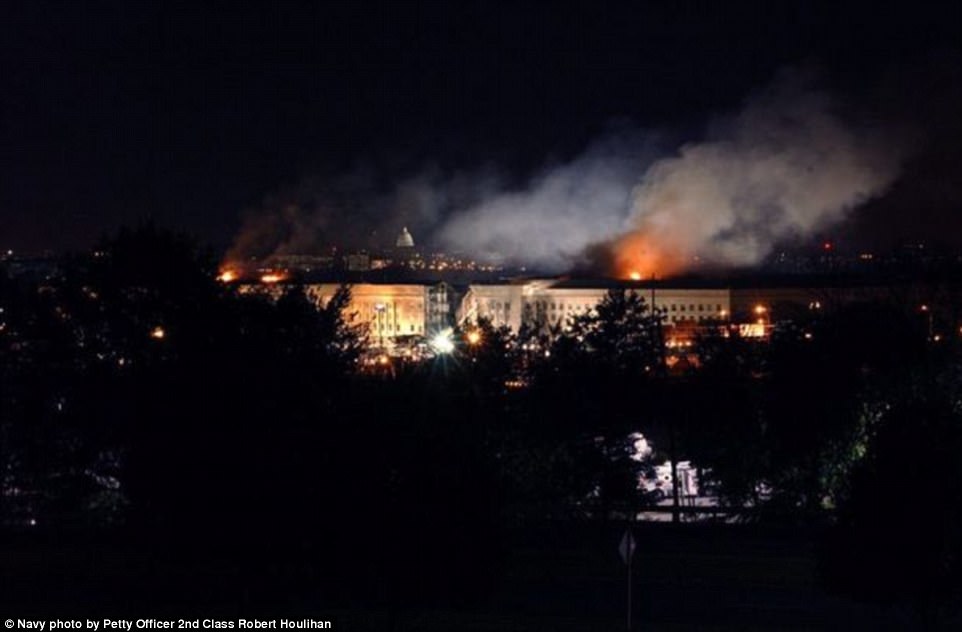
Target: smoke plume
788,164
549,224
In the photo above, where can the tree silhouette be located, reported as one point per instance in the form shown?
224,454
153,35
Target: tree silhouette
589,391
899,530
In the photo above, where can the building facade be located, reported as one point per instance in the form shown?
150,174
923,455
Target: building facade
551,303
402,313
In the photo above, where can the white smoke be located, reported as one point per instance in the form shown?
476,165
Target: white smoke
785,166
564,209
788,164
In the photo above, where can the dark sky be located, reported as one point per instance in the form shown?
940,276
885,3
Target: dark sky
190,114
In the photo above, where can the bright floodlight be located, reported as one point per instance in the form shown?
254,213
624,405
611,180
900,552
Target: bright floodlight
442,342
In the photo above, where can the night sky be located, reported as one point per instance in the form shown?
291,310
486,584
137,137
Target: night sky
191,114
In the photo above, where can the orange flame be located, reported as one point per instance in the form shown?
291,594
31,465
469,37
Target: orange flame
272,277
227,276
637,257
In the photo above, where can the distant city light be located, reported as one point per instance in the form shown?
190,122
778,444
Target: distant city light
227,276
474,337
157,333
760,309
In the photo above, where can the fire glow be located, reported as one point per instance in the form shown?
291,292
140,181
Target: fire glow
637,257
273,277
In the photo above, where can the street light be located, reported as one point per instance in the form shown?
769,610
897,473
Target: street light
442,342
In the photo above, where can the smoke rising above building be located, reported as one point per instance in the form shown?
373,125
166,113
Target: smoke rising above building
786,165
789,163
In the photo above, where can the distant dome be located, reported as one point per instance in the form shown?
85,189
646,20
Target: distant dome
404,240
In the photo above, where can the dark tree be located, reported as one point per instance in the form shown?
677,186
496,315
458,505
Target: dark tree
899,530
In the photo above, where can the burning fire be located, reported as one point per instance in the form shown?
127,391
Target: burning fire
227,276
636,257
272,277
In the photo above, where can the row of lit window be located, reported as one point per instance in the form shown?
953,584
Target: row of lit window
497,306
545,305
691,307
391,328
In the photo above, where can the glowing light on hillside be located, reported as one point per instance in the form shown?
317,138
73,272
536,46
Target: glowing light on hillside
227,276
635,276
158,333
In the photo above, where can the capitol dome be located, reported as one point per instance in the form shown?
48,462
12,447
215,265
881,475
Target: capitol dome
404,240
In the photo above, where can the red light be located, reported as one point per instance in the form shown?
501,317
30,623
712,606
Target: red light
827,245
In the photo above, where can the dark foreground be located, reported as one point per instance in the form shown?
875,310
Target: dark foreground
566,577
